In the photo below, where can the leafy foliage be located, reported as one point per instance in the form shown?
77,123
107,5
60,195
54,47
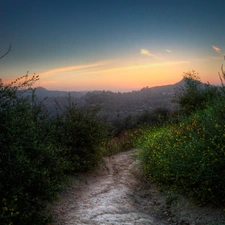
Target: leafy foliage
194,94
37,151
81,136
29,167
189,156
157,117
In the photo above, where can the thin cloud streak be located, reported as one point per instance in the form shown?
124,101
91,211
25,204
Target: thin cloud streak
216,48
69,68
146,52
168,50
137,67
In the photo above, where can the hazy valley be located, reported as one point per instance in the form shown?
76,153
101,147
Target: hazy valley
113,105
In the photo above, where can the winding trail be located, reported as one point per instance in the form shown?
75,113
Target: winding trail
106,196
117,194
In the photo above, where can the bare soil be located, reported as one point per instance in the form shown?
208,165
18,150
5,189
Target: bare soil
117,193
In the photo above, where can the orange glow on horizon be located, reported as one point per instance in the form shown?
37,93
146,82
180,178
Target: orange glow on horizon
127,74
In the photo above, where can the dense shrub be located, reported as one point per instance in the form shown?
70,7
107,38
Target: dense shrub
81,135
30,171
194,94
134,121
189,156
156,117
37,150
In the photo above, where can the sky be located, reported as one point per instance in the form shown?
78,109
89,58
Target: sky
117,45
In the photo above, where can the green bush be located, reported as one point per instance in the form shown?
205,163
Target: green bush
194,94
30,170
189,156
156,117
131,122
81,135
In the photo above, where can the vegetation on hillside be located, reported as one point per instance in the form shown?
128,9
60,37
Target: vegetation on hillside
38,151
81,136
180,150
189,156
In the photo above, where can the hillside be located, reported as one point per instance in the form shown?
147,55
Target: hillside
114,104
42,93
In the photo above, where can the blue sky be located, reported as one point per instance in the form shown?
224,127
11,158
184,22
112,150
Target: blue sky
111,44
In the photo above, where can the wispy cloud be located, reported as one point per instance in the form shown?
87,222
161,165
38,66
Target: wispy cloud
216,48
146,52
69,68
168,50
137,67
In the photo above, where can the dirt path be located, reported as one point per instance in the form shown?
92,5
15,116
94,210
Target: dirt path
117,194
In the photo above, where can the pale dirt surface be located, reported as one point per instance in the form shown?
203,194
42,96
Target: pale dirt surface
117,194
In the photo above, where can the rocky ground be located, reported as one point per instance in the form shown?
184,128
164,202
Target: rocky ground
118,194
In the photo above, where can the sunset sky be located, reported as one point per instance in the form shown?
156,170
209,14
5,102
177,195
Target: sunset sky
118,45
